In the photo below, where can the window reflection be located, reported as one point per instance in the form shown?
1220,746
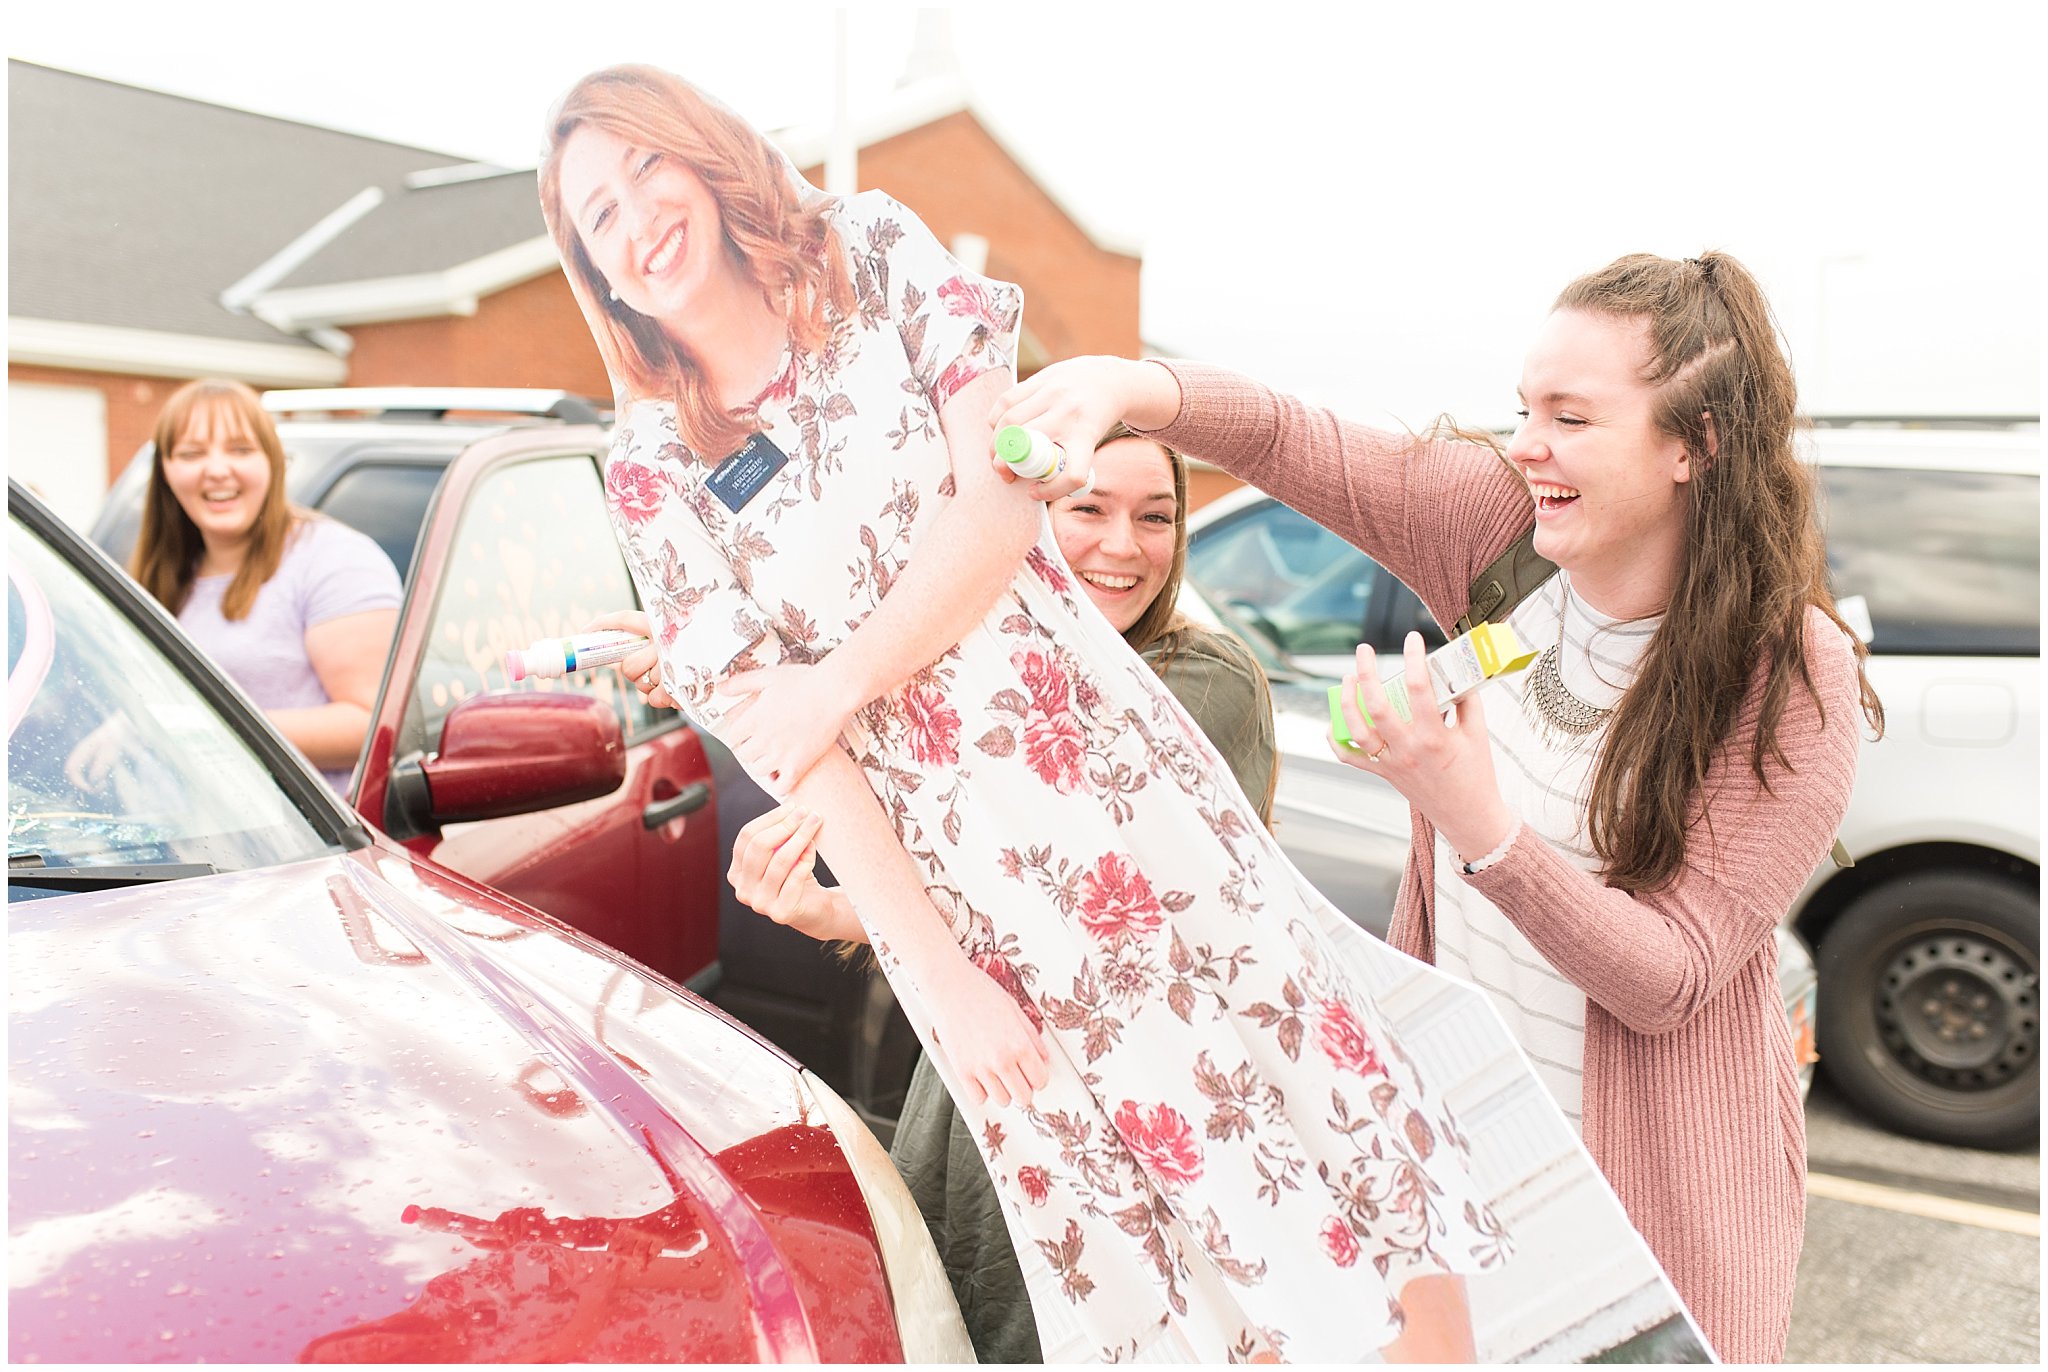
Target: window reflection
387,501
1950,561
113,756
1295,581
533,558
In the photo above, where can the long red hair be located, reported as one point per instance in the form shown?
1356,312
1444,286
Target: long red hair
776,225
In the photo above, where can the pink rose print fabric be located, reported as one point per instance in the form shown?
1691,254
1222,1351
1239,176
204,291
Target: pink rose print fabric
635,492
1117,903
1342,1039
1163,1144
934,726
1233,1158
1339,1242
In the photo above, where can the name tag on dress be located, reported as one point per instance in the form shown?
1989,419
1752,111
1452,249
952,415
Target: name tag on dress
740,477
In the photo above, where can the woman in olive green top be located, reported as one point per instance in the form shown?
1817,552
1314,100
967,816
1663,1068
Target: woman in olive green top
1126,542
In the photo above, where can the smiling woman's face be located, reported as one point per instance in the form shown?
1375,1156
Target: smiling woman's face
1609,486
1119,537
651,226
219,474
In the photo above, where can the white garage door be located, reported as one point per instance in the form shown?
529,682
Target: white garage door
57,446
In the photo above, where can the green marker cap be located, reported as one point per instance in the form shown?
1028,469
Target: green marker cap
1013,444
1340,727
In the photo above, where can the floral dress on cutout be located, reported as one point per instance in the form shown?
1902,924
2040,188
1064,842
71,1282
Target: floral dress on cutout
1233,1157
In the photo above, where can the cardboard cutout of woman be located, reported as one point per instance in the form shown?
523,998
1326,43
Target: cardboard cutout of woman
1226,1154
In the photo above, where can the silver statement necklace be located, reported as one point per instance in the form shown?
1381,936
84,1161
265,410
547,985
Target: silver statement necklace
1561,711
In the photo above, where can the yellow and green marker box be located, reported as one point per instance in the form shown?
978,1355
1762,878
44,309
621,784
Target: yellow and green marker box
1456,670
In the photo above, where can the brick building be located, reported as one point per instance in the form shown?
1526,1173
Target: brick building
155,238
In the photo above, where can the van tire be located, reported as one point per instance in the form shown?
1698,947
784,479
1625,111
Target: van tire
1929,1016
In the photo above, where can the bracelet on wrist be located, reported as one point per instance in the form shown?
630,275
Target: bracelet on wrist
1480,864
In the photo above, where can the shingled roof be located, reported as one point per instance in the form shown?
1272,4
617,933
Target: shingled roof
134,209
429,228
156,233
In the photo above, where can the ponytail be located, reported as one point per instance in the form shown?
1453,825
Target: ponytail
1752,564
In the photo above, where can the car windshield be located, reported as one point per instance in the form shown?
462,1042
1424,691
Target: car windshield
114,758
1197,605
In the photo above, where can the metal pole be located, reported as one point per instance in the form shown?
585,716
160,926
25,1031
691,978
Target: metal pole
842,175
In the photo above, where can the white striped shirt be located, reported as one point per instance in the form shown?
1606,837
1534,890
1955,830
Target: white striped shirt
1545,778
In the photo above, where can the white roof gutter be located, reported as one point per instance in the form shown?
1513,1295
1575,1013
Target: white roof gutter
309,310
300,250
147,352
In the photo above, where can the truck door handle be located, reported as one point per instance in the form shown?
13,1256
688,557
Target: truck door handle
690,799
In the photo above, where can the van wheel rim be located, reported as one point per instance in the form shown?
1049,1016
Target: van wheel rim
1959,1011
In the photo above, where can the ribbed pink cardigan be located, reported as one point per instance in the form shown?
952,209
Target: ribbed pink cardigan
1691,1098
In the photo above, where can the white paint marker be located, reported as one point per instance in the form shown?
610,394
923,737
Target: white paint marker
551,657
1030,453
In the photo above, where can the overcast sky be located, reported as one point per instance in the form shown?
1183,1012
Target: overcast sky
1371,204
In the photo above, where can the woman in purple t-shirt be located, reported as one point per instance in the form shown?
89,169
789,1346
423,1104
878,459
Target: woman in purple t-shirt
297,608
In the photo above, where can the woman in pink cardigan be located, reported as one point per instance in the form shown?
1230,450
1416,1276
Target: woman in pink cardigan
1605,845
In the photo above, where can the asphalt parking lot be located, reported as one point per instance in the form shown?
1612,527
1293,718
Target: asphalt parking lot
1915,1252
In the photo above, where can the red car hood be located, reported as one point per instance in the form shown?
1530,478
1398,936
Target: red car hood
359,1109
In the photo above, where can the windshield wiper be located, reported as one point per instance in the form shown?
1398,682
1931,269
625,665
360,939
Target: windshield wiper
33,869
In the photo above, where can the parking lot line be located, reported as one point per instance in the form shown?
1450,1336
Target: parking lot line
1829,1187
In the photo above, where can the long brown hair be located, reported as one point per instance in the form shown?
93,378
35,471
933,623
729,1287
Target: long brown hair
776,226
1753,559
1165,632
169,546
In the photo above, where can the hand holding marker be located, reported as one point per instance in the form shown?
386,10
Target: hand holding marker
1456,670
555,657
1033,456
1030,454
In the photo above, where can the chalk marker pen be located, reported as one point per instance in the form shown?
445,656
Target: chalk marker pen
551,657
1456,670
1030,453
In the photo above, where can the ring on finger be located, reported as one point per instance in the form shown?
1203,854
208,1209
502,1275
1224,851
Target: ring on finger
1375,757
